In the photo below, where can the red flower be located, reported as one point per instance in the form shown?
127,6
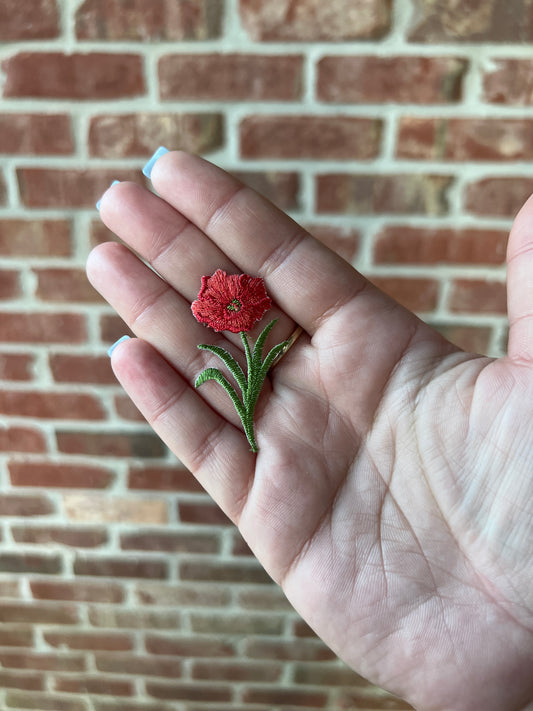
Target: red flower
231,303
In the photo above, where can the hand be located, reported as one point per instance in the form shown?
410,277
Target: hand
391,494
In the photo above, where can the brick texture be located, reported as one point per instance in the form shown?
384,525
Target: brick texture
399,134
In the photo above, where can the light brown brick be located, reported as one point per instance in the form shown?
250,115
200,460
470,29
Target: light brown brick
34,238
28,327
34,134
478,296
132,135
509,81
96,508
110,444
315,20
54,474
497,197
50,405
65,284
416,294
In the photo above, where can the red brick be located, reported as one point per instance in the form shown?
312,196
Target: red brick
76,368
478,296
121,568
277,696
159,20
196,543
177,596
54,474
112,327
478,139
73,76
413,293
42,662
344,241
472,339
15,637
126,410
377,80
9,284
93,685
16,366
417,194
69,536
497,197
23,563
398,244
50,405
37,327
76,592
474,21
202,512
110,444
120,618
44,702
240,547
509,81
17,680
55,187
15,505
230,77
91,641
138,665
188,647
47,134
359,699
39,613
263,598
289,650
224,572
188,691
28,20
310,137
281,188
131,135
315,20
22,439
65,285
34,238
3,191
162,479
326,675
237,624
236,671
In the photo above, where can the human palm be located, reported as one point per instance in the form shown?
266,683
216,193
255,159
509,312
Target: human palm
390,494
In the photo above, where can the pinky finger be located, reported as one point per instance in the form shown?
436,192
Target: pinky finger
215,451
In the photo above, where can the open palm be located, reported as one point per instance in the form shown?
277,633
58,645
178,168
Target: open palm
391,491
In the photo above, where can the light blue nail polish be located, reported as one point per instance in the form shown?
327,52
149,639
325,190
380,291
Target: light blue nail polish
99,203
120,340
147,170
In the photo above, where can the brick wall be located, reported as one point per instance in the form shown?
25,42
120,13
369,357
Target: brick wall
400,132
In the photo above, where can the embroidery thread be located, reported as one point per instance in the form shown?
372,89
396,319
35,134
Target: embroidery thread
235,303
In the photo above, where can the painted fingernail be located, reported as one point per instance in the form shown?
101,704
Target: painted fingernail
147,170
99,203
120,340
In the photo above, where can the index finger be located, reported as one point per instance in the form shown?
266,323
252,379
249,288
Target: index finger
307,280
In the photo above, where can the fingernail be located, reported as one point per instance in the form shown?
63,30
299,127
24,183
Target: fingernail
98,204
120,340
147,170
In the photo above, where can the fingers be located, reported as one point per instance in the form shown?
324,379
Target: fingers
214,450
306,279
156,313
178,250
520,285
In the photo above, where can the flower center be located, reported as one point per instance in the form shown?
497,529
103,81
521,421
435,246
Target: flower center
234,305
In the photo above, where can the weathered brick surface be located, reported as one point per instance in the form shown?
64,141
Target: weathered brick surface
310,137
28,20
73,76
123,586
136,134
315,21
402,80
169,20
231,77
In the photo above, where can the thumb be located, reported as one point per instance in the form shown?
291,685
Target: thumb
520,285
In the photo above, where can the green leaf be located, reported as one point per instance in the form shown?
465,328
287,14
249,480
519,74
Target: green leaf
215,374
271,357
259,345
232,365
